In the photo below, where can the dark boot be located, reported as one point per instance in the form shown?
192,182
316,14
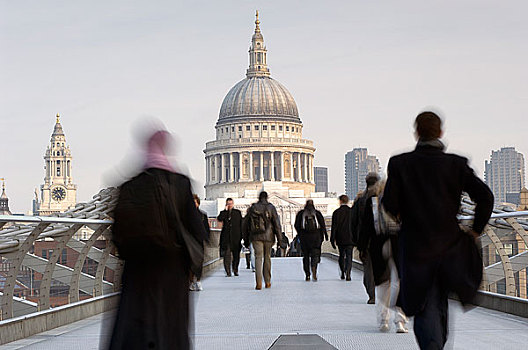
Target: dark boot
342,275
314,273
348,277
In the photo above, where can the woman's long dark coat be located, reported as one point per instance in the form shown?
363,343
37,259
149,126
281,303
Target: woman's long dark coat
154,306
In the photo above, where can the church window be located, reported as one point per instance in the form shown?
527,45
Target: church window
232,129
264,127
57,144
256,127
58,171
273,128
240,128
287,128
248,127
280,127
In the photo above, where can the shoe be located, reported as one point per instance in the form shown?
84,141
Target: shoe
268,285
371,301
348,277
192,287
252,270
314,273
228,274
342,275
258,287
384,327
198,286
236,273
401,327
307,277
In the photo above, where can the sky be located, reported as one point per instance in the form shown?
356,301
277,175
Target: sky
360,72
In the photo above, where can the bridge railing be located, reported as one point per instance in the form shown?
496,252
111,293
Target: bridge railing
504,247
45,262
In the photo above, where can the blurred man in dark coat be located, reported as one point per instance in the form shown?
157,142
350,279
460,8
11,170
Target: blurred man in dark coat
311,228
230,237
423,189
342,236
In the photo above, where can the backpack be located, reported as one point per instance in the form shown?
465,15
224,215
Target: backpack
140,216
384,224
259,221
310,223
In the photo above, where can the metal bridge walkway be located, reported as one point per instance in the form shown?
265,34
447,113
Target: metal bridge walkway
230,314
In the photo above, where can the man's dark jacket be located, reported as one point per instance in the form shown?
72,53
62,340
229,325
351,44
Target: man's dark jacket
273,228
341,232
424,189
231,234
311,239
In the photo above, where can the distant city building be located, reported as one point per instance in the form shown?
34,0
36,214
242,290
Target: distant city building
321,179
504,174
523,205
58,193
358,163
4,201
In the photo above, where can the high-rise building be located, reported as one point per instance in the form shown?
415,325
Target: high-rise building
504,173
358,163
321,179
58,193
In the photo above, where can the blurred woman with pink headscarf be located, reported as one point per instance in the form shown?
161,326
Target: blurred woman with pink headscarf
156,230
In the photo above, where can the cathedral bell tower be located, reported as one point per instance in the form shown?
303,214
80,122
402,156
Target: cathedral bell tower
58,193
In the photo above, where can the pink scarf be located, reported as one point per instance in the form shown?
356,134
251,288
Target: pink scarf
155,156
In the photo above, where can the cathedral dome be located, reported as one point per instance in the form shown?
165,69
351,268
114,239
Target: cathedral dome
259,96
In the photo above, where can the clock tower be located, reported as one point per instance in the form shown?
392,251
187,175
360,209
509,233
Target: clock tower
58,193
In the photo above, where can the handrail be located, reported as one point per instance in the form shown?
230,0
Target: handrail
53,220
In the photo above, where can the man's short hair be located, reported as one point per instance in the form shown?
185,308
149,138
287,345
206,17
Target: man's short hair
371,179
428,126
196,198
263,195
343,198
229,199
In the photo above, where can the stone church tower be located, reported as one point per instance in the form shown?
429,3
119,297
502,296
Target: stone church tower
58,193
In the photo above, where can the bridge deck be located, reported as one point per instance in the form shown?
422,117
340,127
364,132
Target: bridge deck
230,314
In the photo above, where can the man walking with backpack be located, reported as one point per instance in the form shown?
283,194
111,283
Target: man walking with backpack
261,228
230,237
342,235
311,229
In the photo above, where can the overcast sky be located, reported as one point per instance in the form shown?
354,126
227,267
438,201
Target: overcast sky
359,71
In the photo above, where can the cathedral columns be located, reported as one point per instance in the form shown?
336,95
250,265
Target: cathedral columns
261,166
231,168
272,166
251,168
281,166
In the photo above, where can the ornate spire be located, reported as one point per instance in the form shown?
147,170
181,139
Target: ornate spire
57,131
257,22
3,188
258,62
